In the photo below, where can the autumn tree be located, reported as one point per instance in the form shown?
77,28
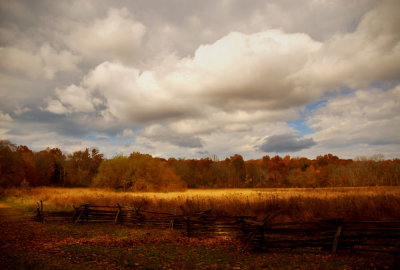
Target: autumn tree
82,167
11,165
31,174
239,170
140,172
20,166
114,173
255,174
153,174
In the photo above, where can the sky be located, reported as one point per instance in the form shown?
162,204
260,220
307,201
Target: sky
194,79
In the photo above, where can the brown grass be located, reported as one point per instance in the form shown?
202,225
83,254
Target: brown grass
362,203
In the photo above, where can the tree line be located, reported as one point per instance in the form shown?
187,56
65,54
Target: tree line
22,167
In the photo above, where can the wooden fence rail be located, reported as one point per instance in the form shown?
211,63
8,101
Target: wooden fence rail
334,235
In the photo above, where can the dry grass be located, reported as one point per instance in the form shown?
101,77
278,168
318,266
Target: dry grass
361,203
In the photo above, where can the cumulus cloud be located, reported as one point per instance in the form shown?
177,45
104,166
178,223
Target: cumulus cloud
369,117
319,19
134,96
286,143
214,76
371,53
126,133
5,120
56,107
4,117
117,36
45,62
136,70
210,79
163,134
210,92
71,99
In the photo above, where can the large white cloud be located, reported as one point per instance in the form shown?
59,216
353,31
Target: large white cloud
368,118
200,95
371,53
212,78
262,77
202,79
5,120
117,36
45,62
242,71
319,19
159,133
73,99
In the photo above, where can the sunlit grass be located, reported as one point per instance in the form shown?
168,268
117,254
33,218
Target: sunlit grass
294,203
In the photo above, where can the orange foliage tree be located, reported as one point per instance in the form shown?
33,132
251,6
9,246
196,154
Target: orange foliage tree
20,166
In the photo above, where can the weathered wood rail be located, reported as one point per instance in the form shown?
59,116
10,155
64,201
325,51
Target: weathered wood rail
333,234
193,223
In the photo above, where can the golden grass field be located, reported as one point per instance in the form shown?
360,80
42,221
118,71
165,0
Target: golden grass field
358,203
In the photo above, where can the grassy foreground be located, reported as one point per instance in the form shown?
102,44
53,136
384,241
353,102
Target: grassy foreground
361,203
25,244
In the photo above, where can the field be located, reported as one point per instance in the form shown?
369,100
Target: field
27,244
296,204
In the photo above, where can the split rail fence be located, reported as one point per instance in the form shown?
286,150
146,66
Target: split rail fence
333,235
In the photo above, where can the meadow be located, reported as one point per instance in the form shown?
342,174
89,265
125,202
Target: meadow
26,244
295,204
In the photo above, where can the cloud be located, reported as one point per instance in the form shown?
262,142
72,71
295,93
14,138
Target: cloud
5,122
117,36
369,54
214,76
286,143
56,107
162,134
71,99
46,62
209,92
188,79
5,117
184,87
126,133
133,96
319,19
369,117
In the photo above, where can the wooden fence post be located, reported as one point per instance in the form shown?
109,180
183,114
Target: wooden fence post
39,214
172,221
118,213
86,212
78,214
262,239
171,224
188,228
338,234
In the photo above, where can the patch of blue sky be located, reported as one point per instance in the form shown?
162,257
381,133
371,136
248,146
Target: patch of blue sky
339,92
301,127
114,140
386,85
123,144
97,137
312,107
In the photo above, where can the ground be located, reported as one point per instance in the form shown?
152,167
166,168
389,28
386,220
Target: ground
26,244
